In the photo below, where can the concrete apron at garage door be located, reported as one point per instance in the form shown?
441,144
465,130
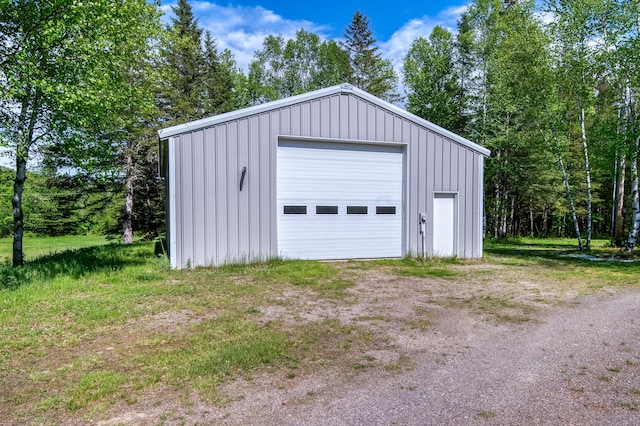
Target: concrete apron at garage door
339,200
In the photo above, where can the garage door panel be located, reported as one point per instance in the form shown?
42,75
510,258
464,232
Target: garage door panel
340,175
325,240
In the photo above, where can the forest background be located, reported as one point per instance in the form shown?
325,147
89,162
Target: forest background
85,86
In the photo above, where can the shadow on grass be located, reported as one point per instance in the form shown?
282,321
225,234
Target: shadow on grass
75,264
555,254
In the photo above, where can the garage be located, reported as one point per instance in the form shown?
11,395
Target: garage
339,200
336,173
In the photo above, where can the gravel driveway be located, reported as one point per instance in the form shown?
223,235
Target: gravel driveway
482,348
574,364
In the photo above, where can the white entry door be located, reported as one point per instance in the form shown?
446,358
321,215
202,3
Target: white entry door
444,221
339,201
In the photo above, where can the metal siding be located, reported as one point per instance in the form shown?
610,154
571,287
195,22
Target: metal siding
344,117
198,166
243,213
295,120
363,108
234,171
210,202
469,205
253,175
388,126
397,129
413,186
215,222
371,122
305,119
455,160
352,113
273,171
439,165
325,118
315,118
446,165
285,121
220,217
480,207
472,210
429,170
420,176
381,116
334,122
180,205
171,199
187,201
265,183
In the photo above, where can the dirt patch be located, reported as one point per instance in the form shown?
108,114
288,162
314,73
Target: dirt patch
479,348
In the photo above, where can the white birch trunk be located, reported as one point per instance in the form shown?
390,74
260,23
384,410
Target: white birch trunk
127,231
572,206
618,223
587,170
635,201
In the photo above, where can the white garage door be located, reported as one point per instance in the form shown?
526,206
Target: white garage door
339,201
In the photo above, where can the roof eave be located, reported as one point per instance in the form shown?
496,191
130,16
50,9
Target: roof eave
342,88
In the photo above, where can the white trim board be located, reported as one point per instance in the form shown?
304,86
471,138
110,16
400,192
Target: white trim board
343,88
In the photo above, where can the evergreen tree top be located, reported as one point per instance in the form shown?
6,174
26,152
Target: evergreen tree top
185,22
358,36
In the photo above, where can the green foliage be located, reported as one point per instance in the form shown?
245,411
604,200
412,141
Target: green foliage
433,89
195,79
286,68
64,81
61,205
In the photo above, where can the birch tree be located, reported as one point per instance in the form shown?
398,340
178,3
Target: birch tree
574,33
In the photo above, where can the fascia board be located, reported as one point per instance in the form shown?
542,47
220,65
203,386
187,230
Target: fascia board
235,115
342,88
421,121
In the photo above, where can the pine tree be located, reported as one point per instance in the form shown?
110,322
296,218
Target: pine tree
181,98
370,72
217,76
192,80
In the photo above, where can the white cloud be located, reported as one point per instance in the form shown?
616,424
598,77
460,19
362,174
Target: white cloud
242,29
397,46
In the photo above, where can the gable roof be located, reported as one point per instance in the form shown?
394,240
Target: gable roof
338,89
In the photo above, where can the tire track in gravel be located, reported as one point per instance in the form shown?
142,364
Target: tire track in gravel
579,364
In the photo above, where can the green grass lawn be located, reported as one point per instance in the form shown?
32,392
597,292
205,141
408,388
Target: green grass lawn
38,246
96,325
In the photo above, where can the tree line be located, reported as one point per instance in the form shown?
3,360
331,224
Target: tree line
551,88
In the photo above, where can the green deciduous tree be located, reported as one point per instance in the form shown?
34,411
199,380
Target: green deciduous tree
63,79
575,31
284,68
432,81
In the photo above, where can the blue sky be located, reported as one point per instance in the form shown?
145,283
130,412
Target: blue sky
242,25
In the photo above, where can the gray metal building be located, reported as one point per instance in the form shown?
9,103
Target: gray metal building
332,174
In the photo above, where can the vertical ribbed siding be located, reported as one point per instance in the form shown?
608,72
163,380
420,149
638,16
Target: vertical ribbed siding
215,222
